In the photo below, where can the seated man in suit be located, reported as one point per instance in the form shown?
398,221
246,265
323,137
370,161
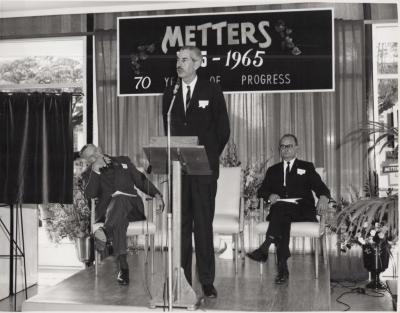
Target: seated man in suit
290,179
113,180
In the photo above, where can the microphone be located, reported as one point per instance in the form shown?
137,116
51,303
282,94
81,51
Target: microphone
176,87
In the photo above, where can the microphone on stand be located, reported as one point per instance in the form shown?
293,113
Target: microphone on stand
169,212
174,92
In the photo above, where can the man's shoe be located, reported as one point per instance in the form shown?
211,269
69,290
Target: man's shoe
209,291
283,273
100,239
258,255
123,276
282,278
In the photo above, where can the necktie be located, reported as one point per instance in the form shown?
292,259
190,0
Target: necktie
187,98
287,172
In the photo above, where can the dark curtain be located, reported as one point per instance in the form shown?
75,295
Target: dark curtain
36,148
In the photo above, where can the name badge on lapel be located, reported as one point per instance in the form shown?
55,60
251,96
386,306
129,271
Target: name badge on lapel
124,166
300,171
203,104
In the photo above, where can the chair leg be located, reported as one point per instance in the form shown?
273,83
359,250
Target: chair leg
152,253
96,262
236,241
260,239
242,249
146,247
316,241
324,249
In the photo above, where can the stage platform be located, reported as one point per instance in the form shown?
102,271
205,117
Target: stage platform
247,291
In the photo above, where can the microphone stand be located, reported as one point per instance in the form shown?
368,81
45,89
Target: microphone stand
180,292
169,215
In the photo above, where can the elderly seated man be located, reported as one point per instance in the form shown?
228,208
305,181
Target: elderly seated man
288,186
113,180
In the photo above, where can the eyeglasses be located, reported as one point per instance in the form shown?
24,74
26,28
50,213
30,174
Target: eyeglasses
282,147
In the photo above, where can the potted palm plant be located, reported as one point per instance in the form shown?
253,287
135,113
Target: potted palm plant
71,221
371,222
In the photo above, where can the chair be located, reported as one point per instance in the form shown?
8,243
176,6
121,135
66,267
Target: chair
314,230
147,228
229,215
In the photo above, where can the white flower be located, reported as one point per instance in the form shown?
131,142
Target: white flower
381,235
361,240
372,232
365,225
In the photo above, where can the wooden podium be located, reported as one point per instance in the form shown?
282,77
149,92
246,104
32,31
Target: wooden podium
188,157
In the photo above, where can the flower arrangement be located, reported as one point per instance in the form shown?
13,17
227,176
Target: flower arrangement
253,176
140,55
230,158
287,41
368,222
66,220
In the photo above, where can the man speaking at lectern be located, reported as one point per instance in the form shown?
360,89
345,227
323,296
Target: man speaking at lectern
199,109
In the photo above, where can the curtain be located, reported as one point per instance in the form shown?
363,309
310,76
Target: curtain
319,120
125,123
36,148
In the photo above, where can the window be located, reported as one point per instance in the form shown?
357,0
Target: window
386,109
48,65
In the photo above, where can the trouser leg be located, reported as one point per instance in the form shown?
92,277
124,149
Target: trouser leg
281,216
203,205
116,223
186,229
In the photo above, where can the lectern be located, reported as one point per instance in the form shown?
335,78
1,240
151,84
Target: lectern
188,157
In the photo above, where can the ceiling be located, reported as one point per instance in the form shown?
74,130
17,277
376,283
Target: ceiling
16,8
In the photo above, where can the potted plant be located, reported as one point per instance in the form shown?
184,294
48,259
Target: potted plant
371,223
71,221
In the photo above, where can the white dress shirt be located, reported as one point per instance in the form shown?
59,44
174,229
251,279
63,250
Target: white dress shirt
285,165
184,90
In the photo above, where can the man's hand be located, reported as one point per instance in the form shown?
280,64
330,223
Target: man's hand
161,205
273,197
98,164
322,204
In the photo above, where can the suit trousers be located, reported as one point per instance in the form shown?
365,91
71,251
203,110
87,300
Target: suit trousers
280,216
198,207
116,223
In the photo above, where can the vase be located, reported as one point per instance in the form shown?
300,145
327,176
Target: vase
83,248
376,260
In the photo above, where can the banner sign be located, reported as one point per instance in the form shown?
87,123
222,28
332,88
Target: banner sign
268,51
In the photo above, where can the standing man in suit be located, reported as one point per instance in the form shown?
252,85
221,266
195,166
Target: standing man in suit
290,179
199,110
113,180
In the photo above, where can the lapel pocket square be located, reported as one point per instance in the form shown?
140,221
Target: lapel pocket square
203,104
300,171
125,166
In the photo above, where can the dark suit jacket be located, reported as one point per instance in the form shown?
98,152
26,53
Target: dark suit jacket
124,177
209,122
302,180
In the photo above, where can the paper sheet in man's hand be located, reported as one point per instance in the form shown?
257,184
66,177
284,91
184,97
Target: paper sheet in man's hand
290,200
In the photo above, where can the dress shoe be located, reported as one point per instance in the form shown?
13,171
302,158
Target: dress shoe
209,291
258,255
123,276
100,239
283,273
282,277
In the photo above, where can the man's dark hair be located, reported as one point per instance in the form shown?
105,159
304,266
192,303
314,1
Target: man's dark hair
289,135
